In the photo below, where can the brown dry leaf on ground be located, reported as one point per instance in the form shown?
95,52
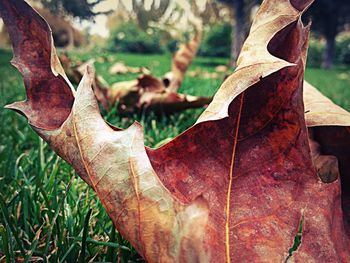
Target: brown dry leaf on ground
144,93
235,187
150,93
122,68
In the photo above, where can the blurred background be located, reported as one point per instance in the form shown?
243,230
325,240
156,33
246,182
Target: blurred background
157,26
45,208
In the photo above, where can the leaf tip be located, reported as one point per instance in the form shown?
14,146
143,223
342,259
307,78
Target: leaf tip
19,106
90,70
88,78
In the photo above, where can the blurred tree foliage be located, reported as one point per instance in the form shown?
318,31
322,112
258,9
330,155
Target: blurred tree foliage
210,15
118,17
154,13
343,48
217,42
317,47
129,37
329,17
82,9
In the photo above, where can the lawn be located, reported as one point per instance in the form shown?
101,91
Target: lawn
46,210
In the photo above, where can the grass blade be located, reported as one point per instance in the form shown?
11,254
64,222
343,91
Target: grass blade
34,245
102,243
111,253
68,252
56,215
5,243
12,228
83,241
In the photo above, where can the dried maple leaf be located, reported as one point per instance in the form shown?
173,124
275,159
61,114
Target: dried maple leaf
233,188
148,93
50,95
329,127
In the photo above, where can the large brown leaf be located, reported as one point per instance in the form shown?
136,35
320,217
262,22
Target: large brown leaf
235,187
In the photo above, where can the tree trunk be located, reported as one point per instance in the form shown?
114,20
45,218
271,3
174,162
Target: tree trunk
238,30
329,52
330,27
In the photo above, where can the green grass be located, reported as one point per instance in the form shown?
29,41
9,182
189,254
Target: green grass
46,212
335,84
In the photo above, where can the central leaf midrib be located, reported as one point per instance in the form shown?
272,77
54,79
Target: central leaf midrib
228,199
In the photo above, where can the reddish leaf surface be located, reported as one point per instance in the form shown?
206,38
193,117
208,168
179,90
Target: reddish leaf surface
235,186
50,95
42,73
